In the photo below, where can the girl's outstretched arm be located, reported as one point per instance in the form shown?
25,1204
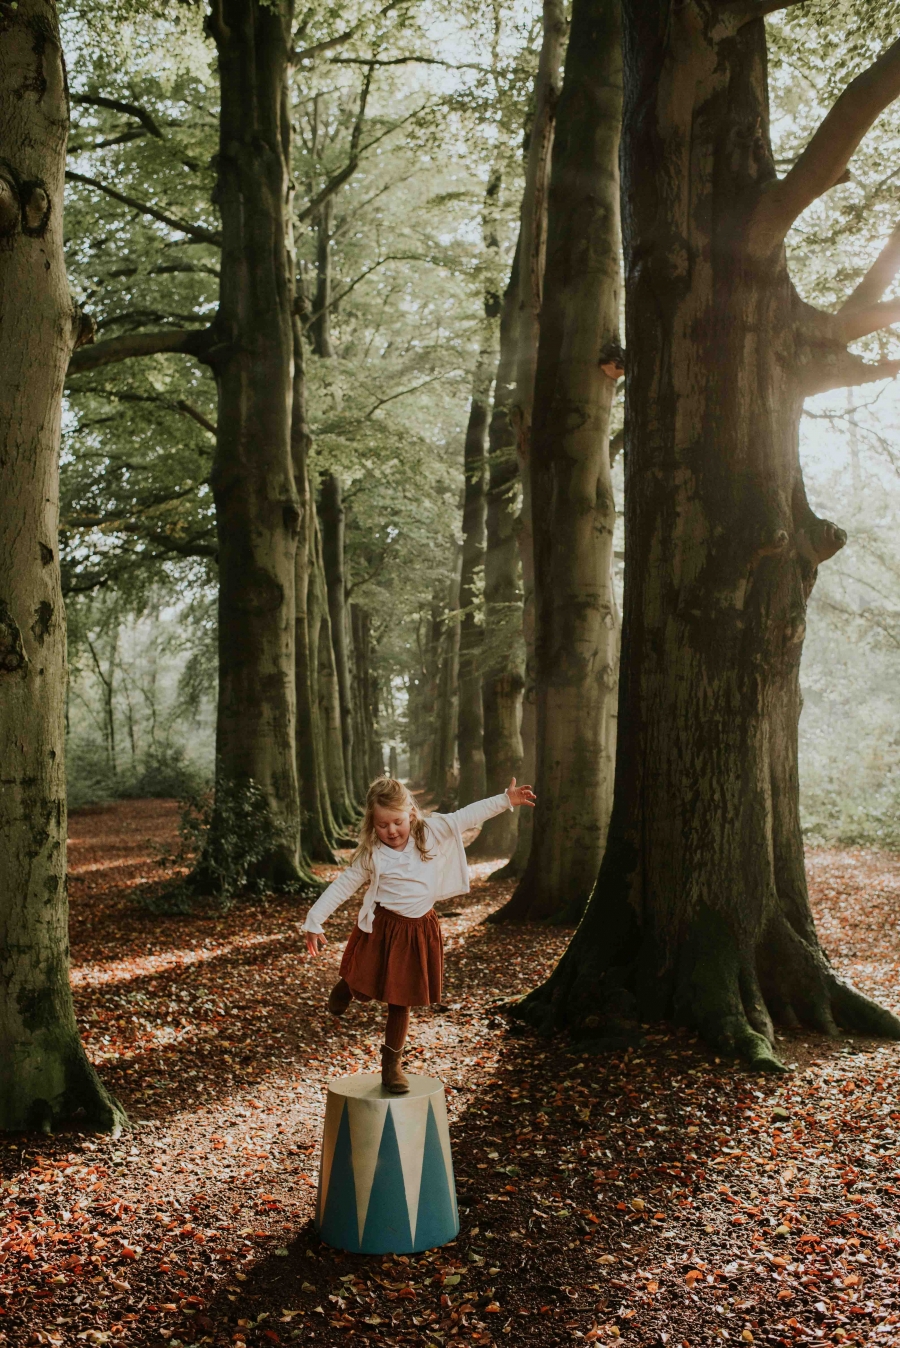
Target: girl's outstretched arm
471,816
338,892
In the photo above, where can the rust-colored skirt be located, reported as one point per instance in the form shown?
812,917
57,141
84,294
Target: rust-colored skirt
400,961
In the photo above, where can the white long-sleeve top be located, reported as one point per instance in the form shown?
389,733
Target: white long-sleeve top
400,879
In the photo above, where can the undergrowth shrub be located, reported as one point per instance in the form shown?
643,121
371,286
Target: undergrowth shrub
223,835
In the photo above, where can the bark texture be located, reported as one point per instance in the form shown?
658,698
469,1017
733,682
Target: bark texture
700,911
44,1073
572,506
256,497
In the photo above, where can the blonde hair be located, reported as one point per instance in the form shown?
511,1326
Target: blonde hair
390,795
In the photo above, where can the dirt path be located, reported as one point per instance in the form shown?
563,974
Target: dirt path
652,1197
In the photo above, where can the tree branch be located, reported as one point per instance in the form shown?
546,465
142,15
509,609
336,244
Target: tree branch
744,11
841,369
309,319
190,411
855,323
117,105
337,180
193,231
403,392
127,396
408,60
828,152
308,53
192,342
878,277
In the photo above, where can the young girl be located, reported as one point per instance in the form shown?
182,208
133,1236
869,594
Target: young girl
396,953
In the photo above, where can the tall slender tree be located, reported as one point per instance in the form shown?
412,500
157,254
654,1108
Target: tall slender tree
44,1073
332,518
572,506
501,835
701,910
470,730
503,652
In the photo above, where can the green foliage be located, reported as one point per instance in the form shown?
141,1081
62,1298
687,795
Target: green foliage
223,835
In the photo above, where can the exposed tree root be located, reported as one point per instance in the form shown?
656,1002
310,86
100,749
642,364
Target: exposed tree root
59,1085
511,871
729,996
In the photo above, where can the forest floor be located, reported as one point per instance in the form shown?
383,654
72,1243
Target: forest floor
656,1196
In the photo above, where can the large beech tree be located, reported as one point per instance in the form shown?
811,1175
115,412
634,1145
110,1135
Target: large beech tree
572,506
700,910
44,1073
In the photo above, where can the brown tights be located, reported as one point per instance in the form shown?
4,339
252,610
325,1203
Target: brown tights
397,1026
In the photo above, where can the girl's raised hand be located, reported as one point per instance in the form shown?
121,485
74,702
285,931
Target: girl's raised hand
314,941
520,795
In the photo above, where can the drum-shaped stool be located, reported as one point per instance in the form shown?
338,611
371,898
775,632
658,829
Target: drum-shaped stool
386,1181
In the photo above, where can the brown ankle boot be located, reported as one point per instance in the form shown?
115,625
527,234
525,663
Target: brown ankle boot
339,998
392,1076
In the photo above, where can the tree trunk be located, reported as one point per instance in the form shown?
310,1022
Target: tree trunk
320,327
366,694
532,245
470,729
444,780
317,608
257,506
471,714
503,656
44,1073
423,696
700,911
342,810
316,835
573,511
331,516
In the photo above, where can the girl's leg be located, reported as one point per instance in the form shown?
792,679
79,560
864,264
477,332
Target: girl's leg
339,998
397,1027
392,1075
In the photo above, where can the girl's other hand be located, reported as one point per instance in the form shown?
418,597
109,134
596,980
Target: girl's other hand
314,941
520,795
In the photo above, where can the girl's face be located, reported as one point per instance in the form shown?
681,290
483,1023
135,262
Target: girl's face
392,826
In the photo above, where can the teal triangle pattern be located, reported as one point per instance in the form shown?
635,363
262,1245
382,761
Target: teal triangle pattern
387,1220
339,1225
436,1219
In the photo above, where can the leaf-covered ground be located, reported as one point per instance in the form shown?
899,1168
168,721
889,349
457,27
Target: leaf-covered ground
654,1197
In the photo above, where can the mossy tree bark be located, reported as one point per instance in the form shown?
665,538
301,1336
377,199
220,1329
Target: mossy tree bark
253,483
700,911
572,506
532,254
44,1073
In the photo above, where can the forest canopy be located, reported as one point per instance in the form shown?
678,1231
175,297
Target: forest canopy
446,107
